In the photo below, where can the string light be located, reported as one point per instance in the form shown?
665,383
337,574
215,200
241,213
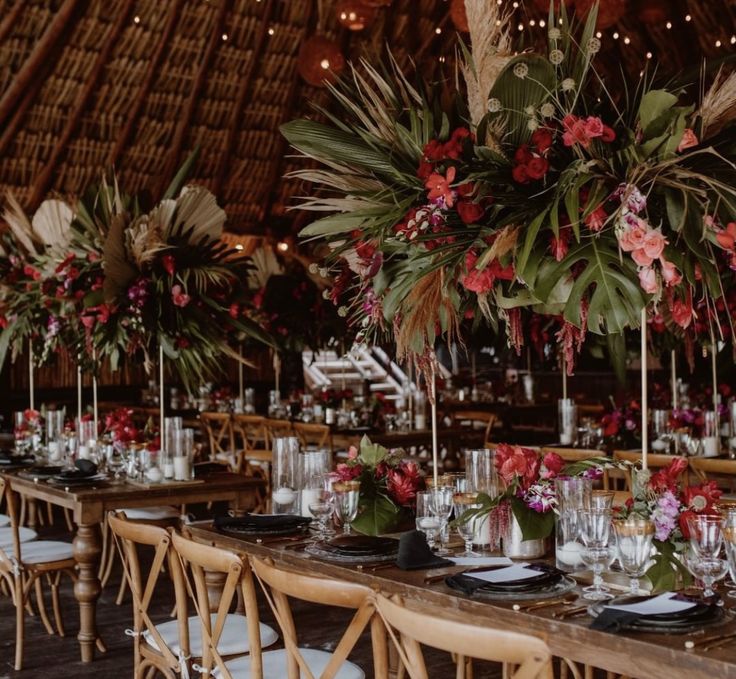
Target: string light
669,25
532,22
718,43
136,19
598,34
520,27
239,246
542,23
649,55
615,36
733,39
627,40
271,31
282,246
438,30
688,17
442,60
224,37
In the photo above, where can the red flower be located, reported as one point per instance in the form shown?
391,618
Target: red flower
542,139
466,189
424,170
519,174
608,134
348,472
523,155
682,312
596,219
234,310
553,465
536,168
701,499
179,297
438,186
402,488
433,151
559,246
169,263
476,280
515,463
469,211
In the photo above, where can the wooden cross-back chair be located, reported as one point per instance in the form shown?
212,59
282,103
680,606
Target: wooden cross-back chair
253,453
172,646
277,429
578,455
476,416
216,628
312,434
529,655
23,566
279,584
705,468
654,460
220,437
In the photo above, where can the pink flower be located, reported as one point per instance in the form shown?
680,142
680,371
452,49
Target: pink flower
670,274
688,140
179,298
593,126
682,312
641,257
727,237
352,453
654,243
648,280
575,132
553,465
633,237
474,280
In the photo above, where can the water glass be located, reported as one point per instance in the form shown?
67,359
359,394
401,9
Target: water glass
322,504
711,434
567,413
634,537
249,407
171,426
600,500
285,475
467,526
729,541
54,434
87,431
595,531
441,503
347,500
706,540
426,520
481,477
313,465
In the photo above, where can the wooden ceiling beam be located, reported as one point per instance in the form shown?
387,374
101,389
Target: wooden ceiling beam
140,96
172,158
35,62
44,179
10,18
245,87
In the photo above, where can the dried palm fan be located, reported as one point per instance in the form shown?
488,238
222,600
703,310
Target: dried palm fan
265,265
49,227
490,51
718,107
195,215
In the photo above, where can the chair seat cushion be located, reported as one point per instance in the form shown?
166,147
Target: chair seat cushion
274,665
4,520
234,639
150,513
45,551
24,535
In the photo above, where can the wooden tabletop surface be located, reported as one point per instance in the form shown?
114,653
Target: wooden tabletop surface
641,655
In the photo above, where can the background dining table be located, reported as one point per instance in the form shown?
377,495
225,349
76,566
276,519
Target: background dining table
89,506
641,655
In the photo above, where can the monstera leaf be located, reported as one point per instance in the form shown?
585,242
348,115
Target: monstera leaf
609,282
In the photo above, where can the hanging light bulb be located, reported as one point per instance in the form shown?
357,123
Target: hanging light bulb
320,59
355,15
458,15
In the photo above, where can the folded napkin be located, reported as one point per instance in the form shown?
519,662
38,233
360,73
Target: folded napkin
415,554
614,618
82,469
262,521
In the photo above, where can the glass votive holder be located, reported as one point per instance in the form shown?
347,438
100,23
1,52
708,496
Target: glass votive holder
183,459
567,413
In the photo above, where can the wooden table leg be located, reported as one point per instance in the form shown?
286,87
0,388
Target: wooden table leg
87,548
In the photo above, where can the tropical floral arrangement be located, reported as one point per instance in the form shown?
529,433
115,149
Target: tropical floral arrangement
663,498
110,278
539,188
528,490
119,426
388,485
622,425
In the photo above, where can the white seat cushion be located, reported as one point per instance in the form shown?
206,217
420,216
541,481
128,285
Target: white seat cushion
24,535
4,520
44,551
234,637
274,665
150,513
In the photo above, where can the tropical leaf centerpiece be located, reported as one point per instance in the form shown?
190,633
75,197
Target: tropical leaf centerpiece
537,188
388,486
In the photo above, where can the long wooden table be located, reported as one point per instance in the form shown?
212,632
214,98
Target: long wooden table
89,506
641,655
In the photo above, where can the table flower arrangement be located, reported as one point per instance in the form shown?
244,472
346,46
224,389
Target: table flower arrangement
520,196
388,485
663,498
528,491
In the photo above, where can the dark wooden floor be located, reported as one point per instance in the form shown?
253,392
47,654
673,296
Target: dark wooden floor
52,656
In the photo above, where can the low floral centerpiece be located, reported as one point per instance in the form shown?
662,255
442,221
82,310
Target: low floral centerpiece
388,486
664,499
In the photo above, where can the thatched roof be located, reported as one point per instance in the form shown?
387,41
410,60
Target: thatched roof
137,84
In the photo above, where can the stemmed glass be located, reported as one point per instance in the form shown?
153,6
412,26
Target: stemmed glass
347,496
595,531
427,522
322,505
706,540
466,527
441,502
634,537
116,462
729,542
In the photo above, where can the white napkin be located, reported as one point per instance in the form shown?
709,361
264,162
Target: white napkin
481,560
518,571
664,603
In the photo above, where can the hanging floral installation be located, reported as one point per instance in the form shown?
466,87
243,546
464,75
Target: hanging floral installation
540,188
125,280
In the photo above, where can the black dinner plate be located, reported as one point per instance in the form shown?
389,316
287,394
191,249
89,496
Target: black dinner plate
548,576
253,525
41,472
700,612
76,481
17,461
361,545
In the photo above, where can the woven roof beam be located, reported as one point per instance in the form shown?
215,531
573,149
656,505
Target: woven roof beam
153,69
35,62
10,18
172,159
44,179
245,86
